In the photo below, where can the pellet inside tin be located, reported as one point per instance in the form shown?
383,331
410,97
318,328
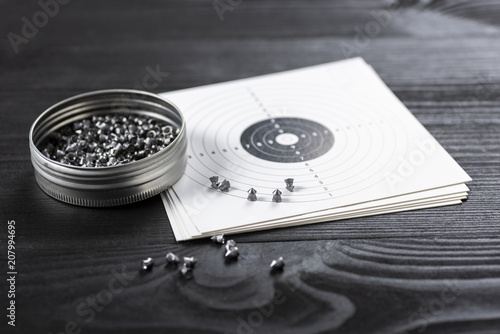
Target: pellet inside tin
109,140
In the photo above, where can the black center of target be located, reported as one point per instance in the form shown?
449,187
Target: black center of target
287,139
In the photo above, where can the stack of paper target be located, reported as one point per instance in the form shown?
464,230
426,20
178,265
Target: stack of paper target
352,148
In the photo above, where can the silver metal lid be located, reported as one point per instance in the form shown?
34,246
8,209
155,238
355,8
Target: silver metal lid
116,185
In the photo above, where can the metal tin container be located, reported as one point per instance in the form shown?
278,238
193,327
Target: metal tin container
115,185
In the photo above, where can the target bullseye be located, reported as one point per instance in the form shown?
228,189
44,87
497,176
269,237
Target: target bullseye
287,139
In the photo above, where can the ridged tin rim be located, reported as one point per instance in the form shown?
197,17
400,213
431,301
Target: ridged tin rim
115,185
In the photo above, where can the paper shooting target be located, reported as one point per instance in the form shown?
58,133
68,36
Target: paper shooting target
258,136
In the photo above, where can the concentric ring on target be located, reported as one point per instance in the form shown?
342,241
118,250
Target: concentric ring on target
287,139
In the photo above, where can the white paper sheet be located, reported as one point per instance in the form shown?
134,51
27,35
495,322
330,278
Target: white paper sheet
350,145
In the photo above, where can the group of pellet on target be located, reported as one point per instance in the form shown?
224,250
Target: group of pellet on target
231,253
252,193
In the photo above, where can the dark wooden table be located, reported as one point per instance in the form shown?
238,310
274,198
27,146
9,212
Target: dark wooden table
432,271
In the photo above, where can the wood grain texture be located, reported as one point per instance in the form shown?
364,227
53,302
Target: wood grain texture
427,271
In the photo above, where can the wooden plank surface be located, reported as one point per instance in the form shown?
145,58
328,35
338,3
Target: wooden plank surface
432,271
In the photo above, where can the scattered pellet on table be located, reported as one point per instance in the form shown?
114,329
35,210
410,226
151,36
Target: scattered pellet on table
289,184
218,239
278,264
190,261
147,264
172,258
186,271
232,253
230,244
